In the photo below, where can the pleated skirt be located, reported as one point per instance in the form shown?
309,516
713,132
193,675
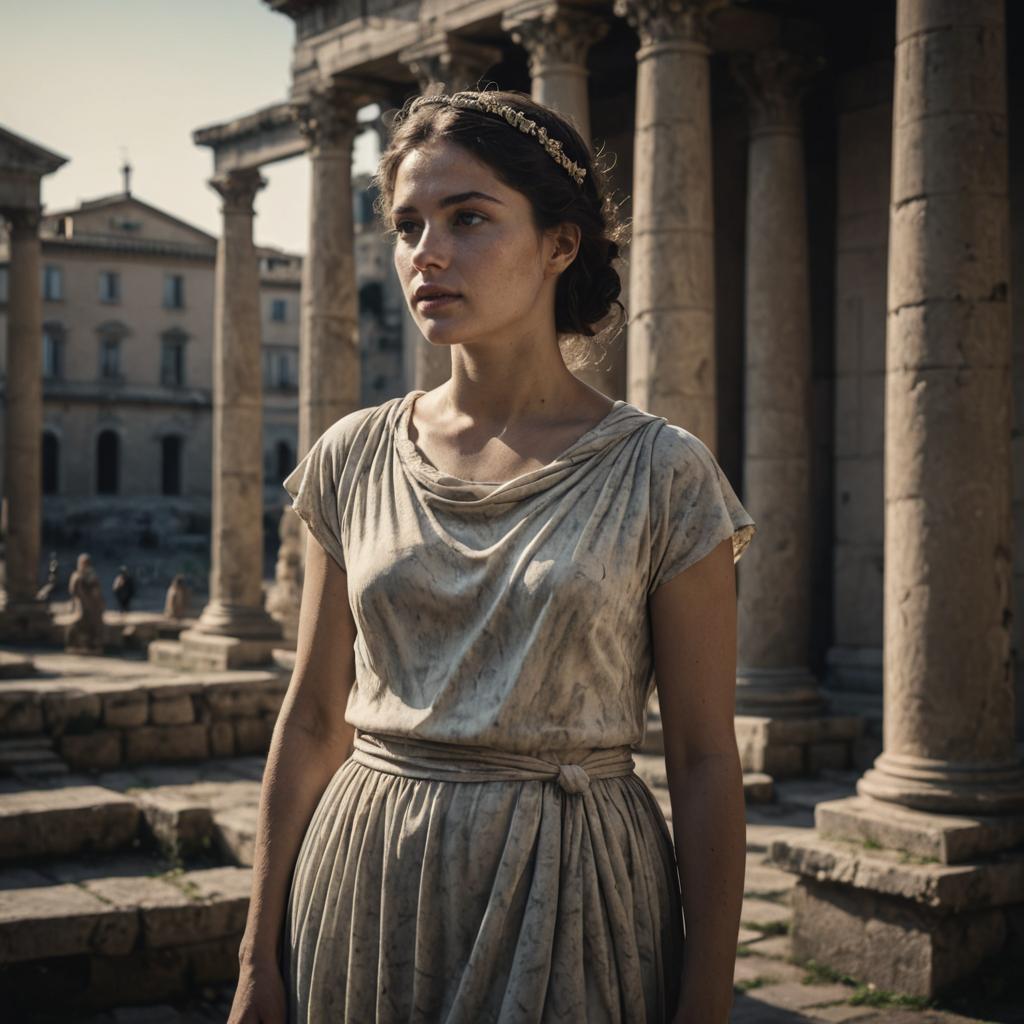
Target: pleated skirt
513,901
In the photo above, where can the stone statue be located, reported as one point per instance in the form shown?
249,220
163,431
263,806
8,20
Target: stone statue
85,630
49,588
124,588
176,604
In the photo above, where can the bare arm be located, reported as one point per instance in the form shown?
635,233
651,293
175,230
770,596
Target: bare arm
311,740
693,620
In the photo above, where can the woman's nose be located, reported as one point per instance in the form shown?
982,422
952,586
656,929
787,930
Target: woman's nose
431,251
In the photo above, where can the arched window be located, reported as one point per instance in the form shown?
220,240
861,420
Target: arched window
285,459
170,464
51,462
108,458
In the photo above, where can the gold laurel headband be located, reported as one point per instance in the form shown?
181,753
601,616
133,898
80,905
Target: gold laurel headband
516,118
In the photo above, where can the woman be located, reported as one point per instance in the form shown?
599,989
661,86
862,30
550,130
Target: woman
495,571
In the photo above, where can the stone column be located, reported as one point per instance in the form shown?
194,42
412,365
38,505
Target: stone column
671,286
442,64
234,628
22,616
557,37
949,701
774,621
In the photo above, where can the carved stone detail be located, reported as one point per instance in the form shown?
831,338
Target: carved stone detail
663,21
238,190
774,81
555,34
448,63
327,118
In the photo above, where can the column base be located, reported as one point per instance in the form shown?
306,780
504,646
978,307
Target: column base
194,651
789,692
946,892
925,784
797,747
25,622
242,621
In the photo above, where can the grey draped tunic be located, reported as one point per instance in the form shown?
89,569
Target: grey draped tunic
487,853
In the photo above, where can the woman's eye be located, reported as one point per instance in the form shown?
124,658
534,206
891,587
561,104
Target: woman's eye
404,228
468,213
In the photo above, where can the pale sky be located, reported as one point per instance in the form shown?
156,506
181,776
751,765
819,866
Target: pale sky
93,79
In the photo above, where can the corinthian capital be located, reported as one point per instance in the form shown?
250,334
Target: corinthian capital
554,33
448,63
24,220
663,21
774,81
327,117
238,190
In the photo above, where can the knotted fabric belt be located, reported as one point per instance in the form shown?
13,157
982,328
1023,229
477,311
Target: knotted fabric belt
454,762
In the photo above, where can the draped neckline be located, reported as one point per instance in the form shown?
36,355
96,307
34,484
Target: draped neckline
620,421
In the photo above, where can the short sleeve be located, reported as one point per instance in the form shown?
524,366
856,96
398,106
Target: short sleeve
313,487
694,507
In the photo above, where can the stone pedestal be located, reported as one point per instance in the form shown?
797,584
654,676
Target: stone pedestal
443,63
22,618
671,287
798,747
929,856
234,629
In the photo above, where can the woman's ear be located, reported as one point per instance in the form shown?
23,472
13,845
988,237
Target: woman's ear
563,244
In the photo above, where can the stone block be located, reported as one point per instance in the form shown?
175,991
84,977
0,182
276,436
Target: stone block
63,821
15,666
200,651
222,739
893,943
62,920
758,788
180,826
252,735
143,976
833,754
21,711
225,892
946,838
783,760
100,749
71,712
226,701
214,962
172,710
235,830
166,743
126,709
165,654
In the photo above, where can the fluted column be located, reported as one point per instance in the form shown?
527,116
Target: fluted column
775,595
671,285
948,681
329,384
442,63
235,608
23,426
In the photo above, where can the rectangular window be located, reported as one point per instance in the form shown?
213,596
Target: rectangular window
172,363
53,354
174,291
110,286
53,283
279,310
3,285
110,359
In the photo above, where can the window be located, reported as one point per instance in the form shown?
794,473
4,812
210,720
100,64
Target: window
170,464
279,310
110,358
53,283
51,462
110,286
3,285
172,359
280,369
174,291
53,352
108,457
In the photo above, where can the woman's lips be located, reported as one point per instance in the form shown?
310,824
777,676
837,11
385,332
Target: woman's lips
432,303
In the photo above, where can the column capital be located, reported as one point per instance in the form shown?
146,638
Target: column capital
238,190
447,61
774,81
327,117
24,220
666,21
552,32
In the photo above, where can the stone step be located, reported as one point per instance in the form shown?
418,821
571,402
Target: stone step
758,788
31,758
65,820
93,937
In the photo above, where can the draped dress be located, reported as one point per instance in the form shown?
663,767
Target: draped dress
487,852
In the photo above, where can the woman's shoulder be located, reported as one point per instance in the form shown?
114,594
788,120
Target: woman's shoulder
675,450
357,428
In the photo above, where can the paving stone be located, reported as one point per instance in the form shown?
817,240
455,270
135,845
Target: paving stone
748,935
810,792
796,996
61,920
763,879
748,1010
760,837
780,946
51,822
749,968
841,1013
755,911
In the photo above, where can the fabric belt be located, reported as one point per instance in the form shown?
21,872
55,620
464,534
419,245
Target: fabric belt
454,762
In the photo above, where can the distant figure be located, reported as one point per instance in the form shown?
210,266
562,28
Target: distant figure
176,605
124,588
85,630
48,589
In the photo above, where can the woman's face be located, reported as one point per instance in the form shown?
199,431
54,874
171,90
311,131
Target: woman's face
462,230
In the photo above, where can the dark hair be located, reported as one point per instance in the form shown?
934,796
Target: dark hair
590,286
